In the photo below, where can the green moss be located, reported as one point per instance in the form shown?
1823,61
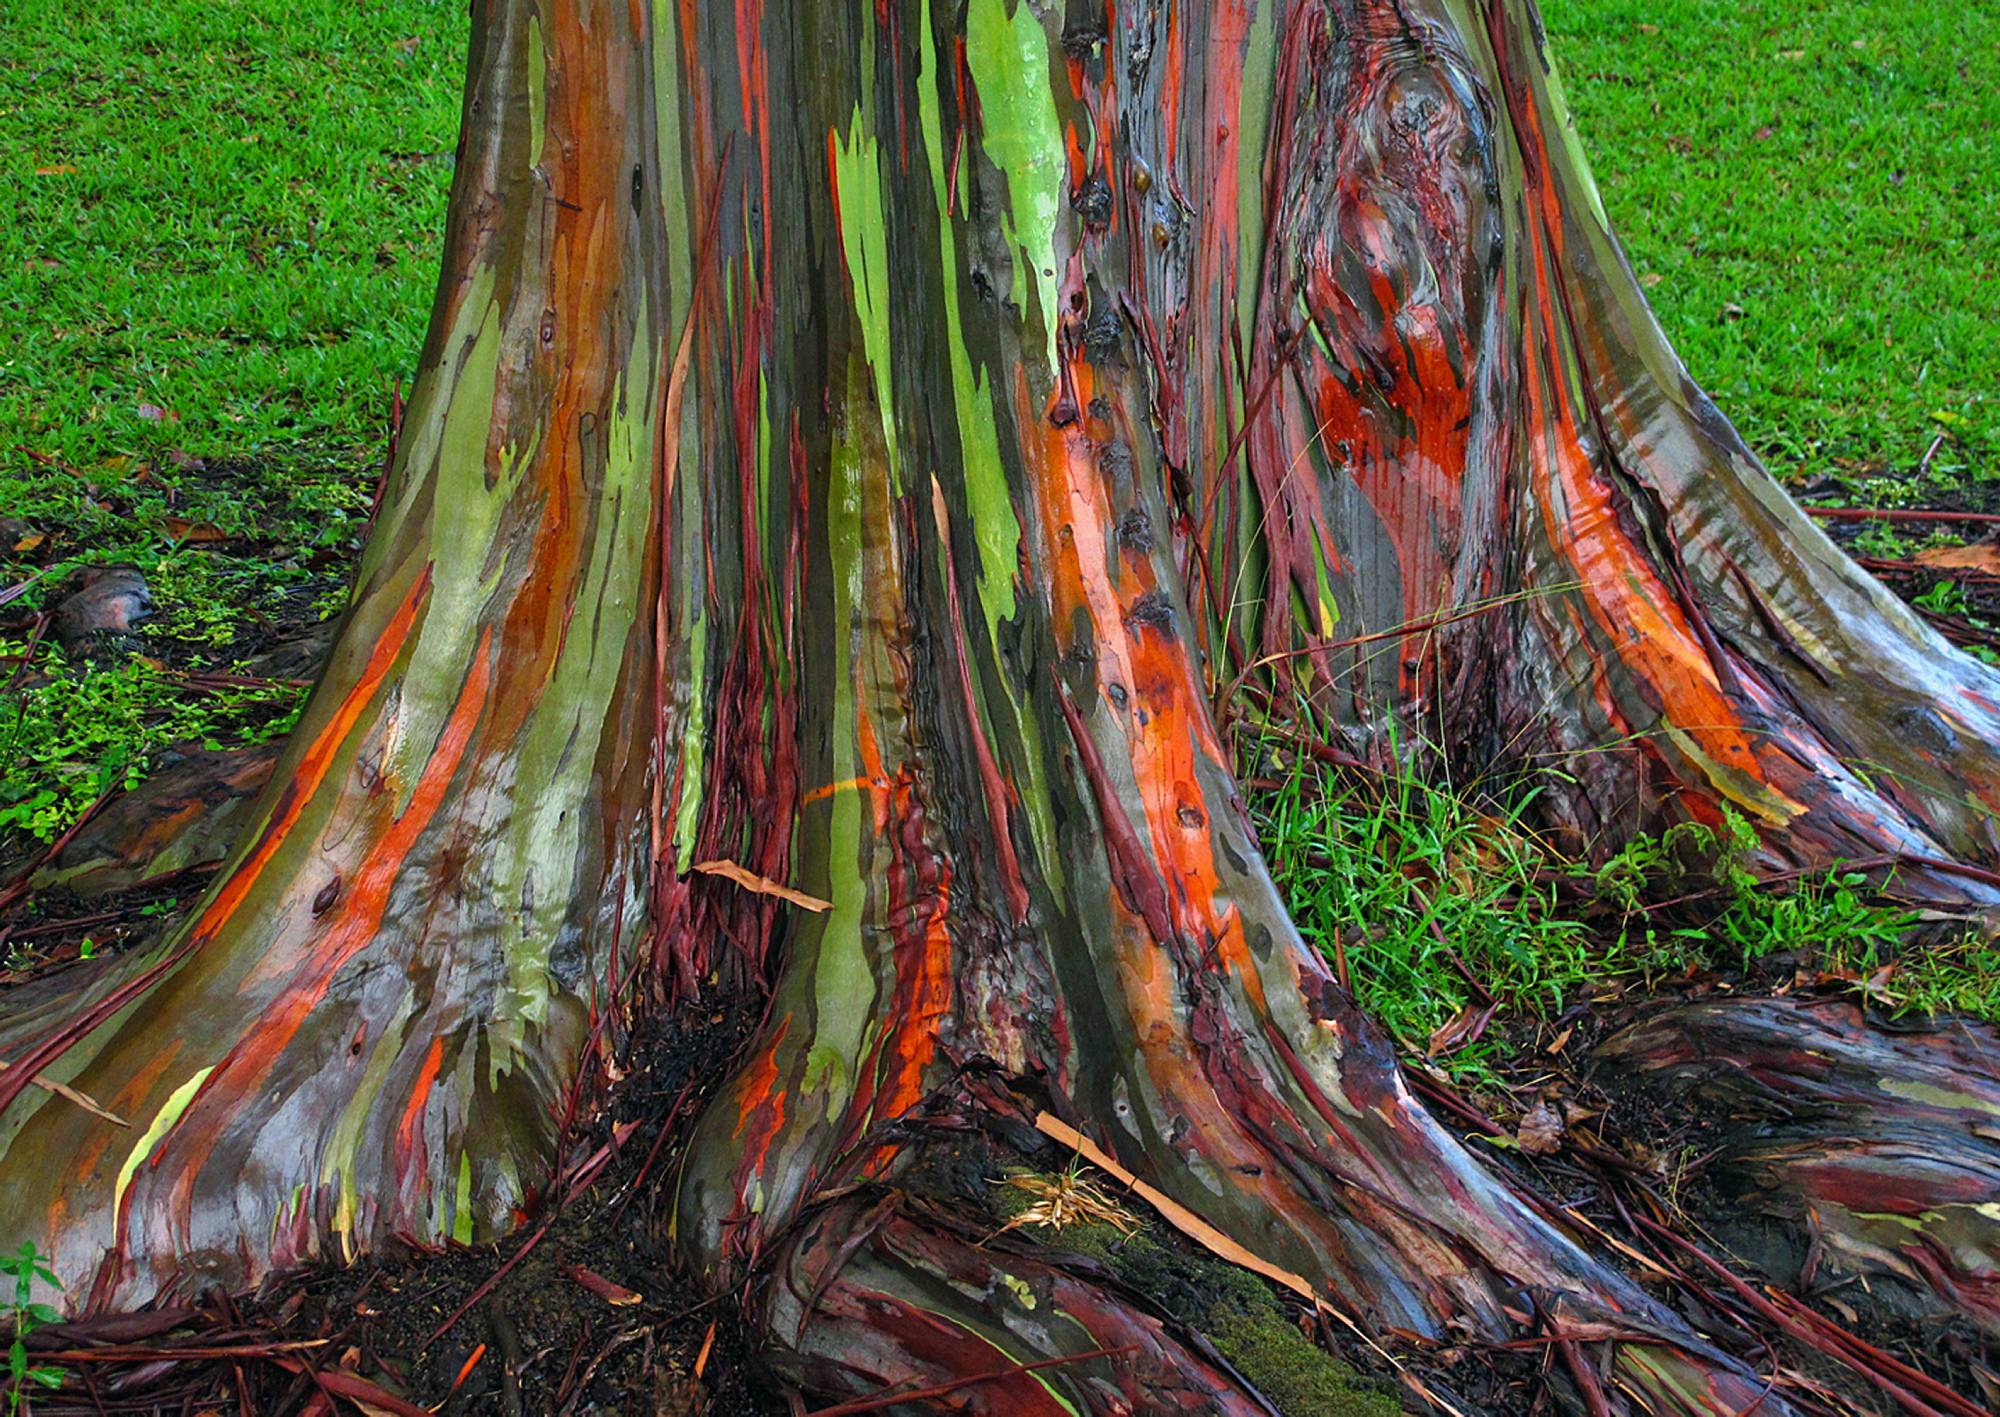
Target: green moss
1238,1312
1293,1371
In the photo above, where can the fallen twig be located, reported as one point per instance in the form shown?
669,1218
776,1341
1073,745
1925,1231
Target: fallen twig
1900,514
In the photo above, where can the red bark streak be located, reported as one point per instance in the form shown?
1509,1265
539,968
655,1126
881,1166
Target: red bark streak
311,770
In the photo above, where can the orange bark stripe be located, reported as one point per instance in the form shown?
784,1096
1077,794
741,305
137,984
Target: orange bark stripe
406,1129
356,924
317,760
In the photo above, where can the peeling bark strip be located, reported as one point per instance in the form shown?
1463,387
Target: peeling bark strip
829,415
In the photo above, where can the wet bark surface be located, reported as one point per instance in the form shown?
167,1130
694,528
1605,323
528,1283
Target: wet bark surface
855,449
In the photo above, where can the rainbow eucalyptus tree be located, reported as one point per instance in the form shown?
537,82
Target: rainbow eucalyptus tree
858,444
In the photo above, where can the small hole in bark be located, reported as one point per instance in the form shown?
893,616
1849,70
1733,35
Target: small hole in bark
1153,610
1135,531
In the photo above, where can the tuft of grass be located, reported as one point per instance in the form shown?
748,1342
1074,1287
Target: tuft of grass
1805,187
1432,897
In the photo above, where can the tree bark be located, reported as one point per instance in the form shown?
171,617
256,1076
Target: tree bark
859,444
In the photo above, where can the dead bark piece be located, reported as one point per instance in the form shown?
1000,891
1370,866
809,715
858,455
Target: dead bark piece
185,814
611,1293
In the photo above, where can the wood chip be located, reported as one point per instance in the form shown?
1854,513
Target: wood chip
605,1289
761,885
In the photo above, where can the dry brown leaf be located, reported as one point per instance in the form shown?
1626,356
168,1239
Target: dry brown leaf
193,533
1541,1131
1981,556
762,885
1467,1027
70,1094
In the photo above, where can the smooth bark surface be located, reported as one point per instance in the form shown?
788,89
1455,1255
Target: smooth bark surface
858,444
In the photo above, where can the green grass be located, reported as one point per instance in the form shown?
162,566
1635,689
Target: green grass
1825,168
1419,888
222,250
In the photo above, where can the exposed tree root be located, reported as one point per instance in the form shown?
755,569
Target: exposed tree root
1882,1148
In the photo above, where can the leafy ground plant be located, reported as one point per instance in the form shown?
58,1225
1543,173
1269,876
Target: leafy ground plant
227,237
24,1266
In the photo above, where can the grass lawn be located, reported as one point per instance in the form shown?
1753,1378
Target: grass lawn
224,251
222,254
1808,189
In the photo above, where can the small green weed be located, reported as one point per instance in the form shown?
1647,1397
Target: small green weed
1431,896
24,1266
87,731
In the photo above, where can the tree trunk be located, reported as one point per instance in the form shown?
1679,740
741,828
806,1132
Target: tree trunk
859,444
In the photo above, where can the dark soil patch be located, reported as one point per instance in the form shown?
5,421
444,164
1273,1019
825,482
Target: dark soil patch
536,1337
521,1327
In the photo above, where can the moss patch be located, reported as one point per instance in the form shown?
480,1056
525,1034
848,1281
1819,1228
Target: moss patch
1234,1309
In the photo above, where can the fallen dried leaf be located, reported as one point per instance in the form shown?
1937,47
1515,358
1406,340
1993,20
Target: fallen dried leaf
1981,556
70,1094
762,885
193,533
1541,1131
1467,1027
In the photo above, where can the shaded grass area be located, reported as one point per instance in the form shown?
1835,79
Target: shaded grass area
222,252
